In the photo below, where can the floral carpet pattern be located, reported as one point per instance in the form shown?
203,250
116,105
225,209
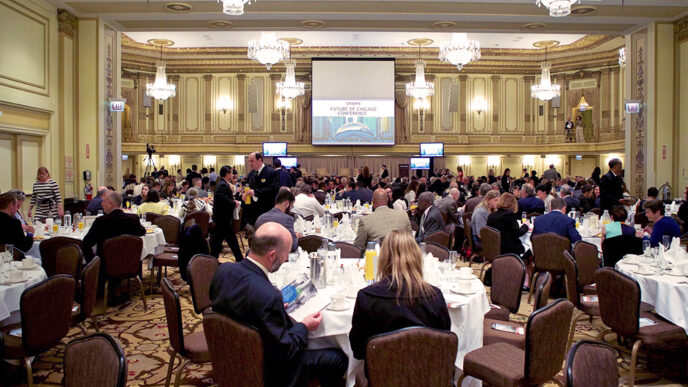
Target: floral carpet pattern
144,338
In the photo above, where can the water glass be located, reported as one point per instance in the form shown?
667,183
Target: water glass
453,258
7,252
646,246
666,241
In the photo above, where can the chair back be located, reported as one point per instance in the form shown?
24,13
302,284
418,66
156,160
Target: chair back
641,219
309,218
88,291
587,262
450,229
547,333
170,226
533,215
69,260
173,313
348,250
152,217
492,242
414,356
508,272
444,215
236,351
571,275
543,285
94,360
42,326
310,243
438,251
614,249
48,249
467,230
201,218
201,270
122,256
440,237
592,363
547,250
619,297
338,215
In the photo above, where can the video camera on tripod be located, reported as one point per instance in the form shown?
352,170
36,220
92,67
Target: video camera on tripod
150,149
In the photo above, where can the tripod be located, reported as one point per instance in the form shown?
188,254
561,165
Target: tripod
150,164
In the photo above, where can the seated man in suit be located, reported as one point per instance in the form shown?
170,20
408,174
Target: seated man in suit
381,221
571,202
529,203
280,214
431,219
449,206
361,193
12,231
243,292
557,222
307,205
114,223
96,204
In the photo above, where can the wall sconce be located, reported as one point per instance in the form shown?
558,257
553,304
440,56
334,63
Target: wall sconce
551,160
493,162
422,105
209,161
464,163
224,104
479,105
528,161
174,161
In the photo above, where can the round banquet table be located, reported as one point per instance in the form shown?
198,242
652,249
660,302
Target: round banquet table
466,312
528,245
10,294
668,293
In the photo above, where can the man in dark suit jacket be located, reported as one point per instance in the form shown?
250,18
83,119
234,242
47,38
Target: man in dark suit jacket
223,216
557,222
385,172
360,193
114,223
243,292
285,178
611,187
12,231
530,203
449,206
431,219
279,214
264,184
320,194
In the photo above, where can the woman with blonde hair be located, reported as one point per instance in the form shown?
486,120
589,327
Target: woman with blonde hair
401,298
45,197
479,217
505,221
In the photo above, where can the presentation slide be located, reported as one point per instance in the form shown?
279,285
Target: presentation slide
353,102
420,163
432,149
274,149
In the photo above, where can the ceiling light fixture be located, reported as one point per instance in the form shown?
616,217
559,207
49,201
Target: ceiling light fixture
557,8
545,91
460,51
234,7
160,89
268,50
419,88
290,88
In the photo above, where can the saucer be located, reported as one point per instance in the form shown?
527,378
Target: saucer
345,305
34,266
676,274
465,277
464,292
637,271
12,282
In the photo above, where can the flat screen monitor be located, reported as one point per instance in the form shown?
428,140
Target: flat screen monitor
632,107
432,149
353,101
274,149
288,162
420,163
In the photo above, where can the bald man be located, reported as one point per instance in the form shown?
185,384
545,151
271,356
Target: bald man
96,204
381,221
449,206
243,292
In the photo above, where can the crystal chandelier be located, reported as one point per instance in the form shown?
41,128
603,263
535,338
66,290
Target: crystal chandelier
234,7
557,8
419,88
290,88
160,89
460,51
268,50
622,57
545,91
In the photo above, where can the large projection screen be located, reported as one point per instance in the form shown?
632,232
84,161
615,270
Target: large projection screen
353,102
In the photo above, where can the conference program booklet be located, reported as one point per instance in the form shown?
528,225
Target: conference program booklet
302,298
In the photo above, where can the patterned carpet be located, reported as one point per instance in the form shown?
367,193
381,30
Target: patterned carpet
143,336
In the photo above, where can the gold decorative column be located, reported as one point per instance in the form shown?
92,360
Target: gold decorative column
175,105
208,95
463,79
495,105
528,105
241,102
275,112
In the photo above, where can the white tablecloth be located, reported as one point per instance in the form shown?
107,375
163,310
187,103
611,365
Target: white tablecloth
466,322
528,245
10,294
668,294
153,243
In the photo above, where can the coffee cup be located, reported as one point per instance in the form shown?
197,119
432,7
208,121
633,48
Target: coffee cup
16,276
464,286
465,271
27,263
338,300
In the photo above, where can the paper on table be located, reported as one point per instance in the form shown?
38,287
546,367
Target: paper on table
303,298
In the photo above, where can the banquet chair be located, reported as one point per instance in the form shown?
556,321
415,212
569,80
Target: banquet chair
459,238
492,246
591,363
87,292
308,218
41,328
170,226
573,292
493,336
348,250
438,251
237,229
620,309
122,260
546,334
236,351
165,259
94,360
547,255
587,261
417,356
533,215
440,237
69,260
508,273
201,218
310,243
152,217
201,270
449,229
192,347
48,249
468,240
614,249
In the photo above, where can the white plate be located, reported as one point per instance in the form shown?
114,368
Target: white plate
676,274
28,268
346,305
465,277
464,292
644,272
9,282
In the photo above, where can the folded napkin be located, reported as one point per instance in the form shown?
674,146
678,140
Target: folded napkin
316,221
431,269
676,253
